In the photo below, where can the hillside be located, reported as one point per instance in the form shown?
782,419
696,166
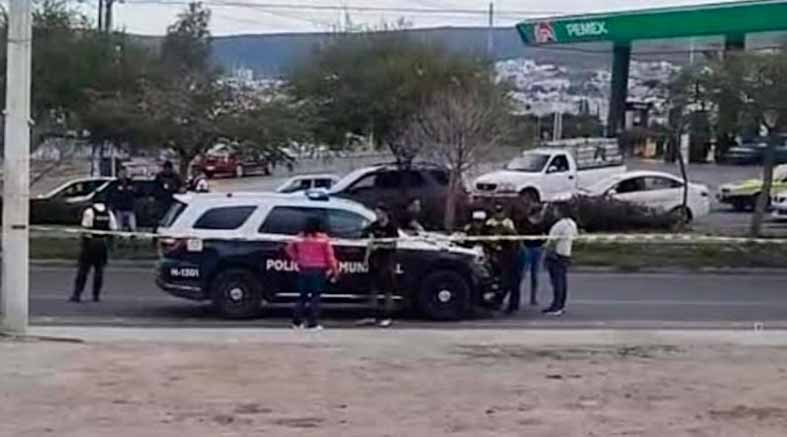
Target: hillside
276,54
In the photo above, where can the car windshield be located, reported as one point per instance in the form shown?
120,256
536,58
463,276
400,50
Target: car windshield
348,180
530,163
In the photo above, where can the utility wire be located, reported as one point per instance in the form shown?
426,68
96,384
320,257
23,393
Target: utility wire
340,8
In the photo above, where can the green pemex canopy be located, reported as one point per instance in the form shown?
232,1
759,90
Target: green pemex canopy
733,18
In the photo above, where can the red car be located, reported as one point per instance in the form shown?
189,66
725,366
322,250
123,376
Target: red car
226,160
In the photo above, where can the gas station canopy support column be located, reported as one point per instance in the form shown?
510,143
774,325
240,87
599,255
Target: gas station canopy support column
733,20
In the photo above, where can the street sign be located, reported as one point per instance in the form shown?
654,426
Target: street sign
733,18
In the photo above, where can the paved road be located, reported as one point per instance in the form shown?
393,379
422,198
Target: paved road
628,300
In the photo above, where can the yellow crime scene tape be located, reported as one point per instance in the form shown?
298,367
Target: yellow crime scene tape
683,238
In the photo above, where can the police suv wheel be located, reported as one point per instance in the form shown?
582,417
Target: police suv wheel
444,295
236,294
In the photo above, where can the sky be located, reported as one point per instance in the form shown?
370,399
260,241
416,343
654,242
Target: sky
151,17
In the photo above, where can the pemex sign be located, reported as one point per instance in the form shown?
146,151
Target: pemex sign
729,18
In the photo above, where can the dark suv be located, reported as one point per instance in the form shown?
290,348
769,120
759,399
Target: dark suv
394,185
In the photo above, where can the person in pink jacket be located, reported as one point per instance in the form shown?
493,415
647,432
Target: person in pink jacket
313,253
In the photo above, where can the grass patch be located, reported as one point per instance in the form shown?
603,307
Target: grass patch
634,257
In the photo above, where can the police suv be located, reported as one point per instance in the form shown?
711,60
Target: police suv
229,249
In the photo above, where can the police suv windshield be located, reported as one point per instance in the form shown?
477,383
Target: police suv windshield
530,163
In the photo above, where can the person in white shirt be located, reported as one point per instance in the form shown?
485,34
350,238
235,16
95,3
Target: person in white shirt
558,258
94,251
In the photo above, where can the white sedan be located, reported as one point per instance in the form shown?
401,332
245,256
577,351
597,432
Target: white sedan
307,182
655,190
779,206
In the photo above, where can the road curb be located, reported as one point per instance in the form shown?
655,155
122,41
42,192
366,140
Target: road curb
151,264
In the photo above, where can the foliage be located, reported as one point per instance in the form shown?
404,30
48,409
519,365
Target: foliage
755,85
371,83
459,128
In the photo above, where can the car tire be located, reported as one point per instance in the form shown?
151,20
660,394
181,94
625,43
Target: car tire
239,171
236,294
209,174
444,295
530,195
683,215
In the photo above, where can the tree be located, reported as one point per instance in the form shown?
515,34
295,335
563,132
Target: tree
188,43
369,84
460,127
755,85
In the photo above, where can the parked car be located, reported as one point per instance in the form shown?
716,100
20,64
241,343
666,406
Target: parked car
395,185
779,206
656,190
752,152
743,195
236,259
554,172
308,182
64,204
228,160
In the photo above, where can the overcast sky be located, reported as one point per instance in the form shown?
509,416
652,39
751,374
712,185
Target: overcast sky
151,17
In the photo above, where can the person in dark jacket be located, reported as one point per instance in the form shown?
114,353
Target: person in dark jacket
122,202
93,250
381,259
167,184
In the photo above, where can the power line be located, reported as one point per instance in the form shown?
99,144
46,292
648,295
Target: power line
340,8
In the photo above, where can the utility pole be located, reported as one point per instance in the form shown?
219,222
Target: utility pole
108,15
100,15
16,169
490,37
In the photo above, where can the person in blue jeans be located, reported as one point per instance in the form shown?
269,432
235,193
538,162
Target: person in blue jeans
533,250
313,253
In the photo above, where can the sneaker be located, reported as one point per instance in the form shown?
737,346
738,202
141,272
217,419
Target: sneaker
74,299
314,328
366,322
297,326
385,323
534,303
96,299
555,313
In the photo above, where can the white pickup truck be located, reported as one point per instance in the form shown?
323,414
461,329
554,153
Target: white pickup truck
555,171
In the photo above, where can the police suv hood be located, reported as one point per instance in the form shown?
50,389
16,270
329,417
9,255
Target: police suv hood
435,241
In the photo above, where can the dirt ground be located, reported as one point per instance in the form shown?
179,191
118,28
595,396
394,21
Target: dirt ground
412,388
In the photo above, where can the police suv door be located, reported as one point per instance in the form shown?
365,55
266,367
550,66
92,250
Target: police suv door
282,223
348,226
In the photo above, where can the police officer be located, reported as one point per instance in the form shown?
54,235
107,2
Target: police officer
93,251
505,255
167,184
381,259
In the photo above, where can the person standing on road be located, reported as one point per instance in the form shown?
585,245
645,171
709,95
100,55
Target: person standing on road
558,258
505,255
381,262
167,184
93,250
533,224
122,202
313,254
412,215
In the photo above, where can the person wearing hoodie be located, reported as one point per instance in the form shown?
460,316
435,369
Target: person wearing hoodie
313,253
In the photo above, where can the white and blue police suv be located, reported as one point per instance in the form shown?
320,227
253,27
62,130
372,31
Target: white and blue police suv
229,249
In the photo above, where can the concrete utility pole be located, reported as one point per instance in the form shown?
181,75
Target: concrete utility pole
16,170
490,37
